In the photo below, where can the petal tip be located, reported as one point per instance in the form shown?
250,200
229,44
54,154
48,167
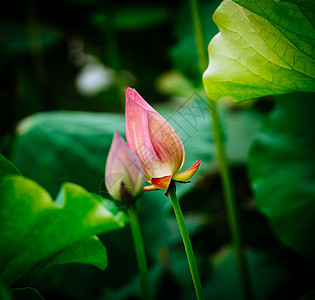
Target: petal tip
186,175
128,90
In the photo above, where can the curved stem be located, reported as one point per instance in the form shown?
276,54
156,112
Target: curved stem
222,160
187,243
140,253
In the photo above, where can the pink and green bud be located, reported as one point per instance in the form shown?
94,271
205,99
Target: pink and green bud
124,176
156,143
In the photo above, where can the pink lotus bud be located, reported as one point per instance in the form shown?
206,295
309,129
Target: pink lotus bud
124,176
156,143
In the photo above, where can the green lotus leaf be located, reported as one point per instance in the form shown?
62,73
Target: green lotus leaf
36,232
282,171
264,47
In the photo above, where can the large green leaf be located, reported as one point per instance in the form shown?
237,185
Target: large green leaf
264,48
282,170
36,232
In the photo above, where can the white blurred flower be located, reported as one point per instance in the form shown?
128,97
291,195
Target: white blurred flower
94,78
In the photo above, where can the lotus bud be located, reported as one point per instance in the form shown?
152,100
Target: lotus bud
124,176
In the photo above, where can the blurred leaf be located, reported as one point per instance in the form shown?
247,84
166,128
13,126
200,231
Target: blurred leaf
241,128
36,233
7,168
282,171
74,146
266,275
271,52
131,17
15,37
193,222
174,83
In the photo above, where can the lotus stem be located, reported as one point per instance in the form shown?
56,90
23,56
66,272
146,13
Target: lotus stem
187,243
140,252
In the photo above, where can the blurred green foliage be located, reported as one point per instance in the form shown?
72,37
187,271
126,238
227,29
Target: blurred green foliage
282,168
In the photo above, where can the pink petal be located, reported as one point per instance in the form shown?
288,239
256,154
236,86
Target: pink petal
138,137
152,138
123,166
166,143
133,95
161,182
186,175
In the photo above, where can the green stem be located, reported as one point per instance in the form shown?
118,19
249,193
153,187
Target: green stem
222,160
187,243
140,253
231,208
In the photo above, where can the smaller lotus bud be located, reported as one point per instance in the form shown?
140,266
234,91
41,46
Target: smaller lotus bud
124,176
